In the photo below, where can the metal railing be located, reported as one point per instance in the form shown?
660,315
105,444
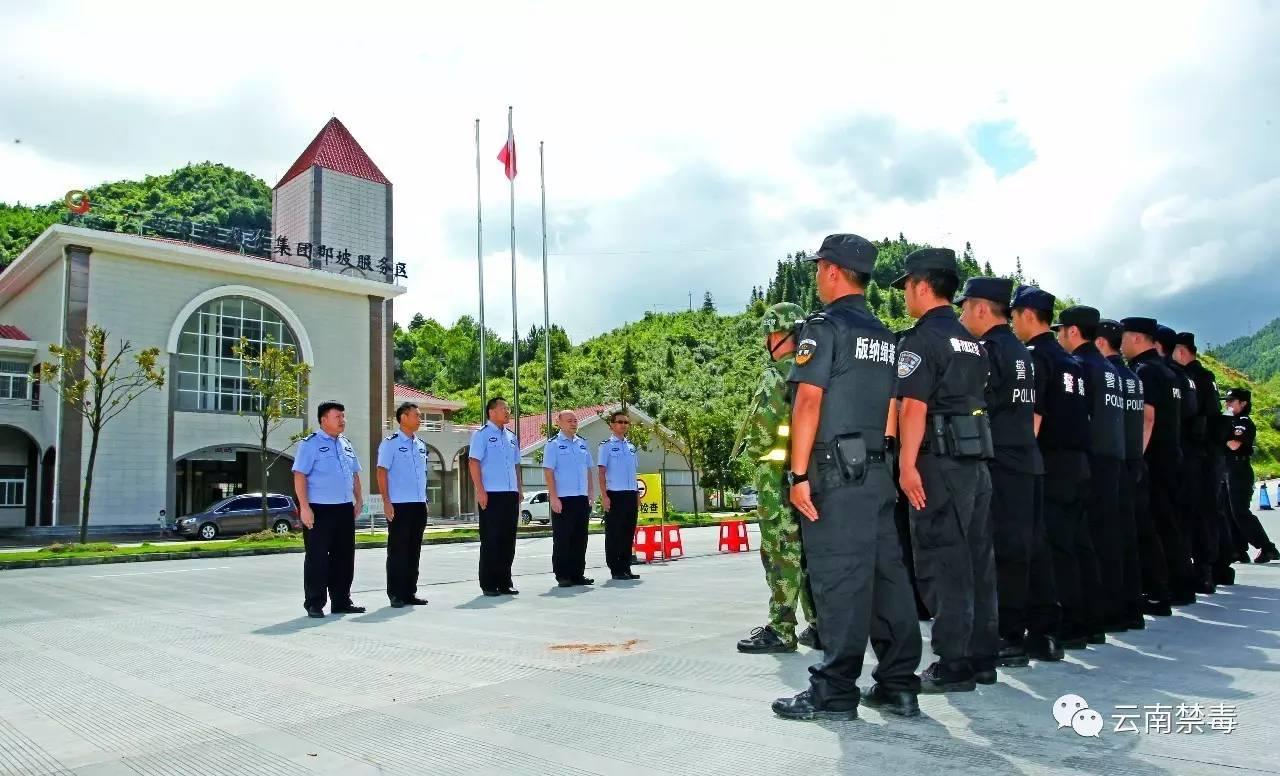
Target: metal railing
21,403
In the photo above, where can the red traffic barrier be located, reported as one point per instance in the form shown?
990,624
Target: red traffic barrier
733,536
650,542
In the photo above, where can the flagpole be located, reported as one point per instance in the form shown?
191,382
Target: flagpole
515,325
546,297
484,394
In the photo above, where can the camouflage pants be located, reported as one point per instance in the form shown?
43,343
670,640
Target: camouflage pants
781,554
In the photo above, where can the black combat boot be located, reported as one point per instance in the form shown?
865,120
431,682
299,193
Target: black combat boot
809,637
806,706
899,702
940,678
764,640
1044,648
1012,654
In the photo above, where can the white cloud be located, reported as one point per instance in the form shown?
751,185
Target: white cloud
681,138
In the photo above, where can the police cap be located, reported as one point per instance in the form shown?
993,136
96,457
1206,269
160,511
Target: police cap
847,250
1147,326
1187,339
996,290
1168,338
1240,394
922,260
1078,315
1110,328
1033,298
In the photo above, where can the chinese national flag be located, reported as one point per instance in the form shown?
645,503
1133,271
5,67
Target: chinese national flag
508,155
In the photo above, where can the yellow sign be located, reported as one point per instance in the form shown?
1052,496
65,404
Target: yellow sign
649,493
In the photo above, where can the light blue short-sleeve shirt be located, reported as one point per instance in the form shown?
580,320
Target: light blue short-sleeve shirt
495,449
570,461
330,465
618,459
405,459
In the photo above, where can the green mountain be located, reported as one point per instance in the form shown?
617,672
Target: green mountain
1257,354
207,192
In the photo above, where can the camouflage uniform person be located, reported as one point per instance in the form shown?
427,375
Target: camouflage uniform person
764,436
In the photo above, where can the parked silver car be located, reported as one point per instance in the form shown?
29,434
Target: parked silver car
240,515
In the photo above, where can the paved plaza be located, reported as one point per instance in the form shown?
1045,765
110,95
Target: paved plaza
208,667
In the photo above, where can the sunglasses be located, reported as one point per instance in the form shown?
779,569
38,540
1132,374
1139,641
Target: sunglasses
622,423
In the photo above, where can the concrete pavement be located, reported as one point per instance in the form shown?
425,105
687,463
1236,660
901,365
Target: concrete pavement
206,667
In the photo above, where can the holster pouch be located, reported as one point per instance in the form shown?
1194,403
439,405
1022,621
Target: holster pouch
969,436
851,456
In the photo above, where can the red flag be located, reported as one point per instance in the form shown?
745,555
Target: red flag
508,155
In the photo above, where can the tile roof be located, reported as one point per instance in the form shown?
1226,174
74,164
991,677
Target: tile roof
335,149
12,333
407,392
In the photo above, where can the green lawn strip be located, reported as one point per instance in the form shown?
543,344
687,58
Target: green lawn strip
105,552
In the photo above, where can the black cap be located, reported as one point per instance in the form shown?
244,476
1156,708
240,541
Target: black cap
997,290
1167,338
924,259
1147,326
1078,315
847,250
1188,339
1241,394
1110,328
1030,296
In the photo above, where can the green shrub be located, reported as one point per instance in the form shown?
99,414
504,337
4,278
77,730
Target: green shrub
59,548
260,536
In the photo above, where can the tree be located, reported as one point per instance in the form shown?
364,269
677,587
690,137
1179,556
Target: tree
897,305
671,359
628,378
875,298
91,383
685,429
417,322
986,269
708,306
277,381
1018,277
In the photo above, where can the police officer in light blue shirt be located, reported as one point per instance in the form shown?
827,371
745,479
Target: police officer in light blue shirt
326,479
617,464
567,463
494,457
402,480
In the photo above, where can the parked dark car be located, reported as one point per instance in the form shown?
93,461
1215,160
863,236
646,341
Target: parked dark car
240,515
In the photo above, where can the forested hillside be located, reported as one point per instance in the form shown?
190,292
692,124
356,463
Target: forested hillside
1257,354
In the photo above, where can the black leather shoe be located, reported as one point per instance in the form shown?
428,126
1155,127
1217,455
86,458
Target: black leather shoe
763,640
509,591
349,608
416,601
1136,622
585,581
1156,608
809,637
396,603
314,611
1097,638
1117,626
492,593
1224,575
937,679
1267,555
1183,599
565,582
626,577
899,702
804,706
1044,648
985,676
1078,642
1012,655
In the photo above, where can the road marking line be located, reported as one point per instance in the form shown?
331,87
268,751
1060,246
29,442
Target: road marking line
167,571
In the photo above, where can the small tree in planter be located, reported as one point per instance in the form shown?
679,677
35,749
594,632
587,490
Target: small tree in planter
91,383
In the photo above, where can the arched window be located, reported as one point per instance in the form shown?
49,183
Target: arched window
210,377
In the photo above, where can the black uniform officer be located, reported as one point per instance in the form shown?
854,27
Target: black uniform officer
1162,423
1189,498
1102,542
840,482
1211,545
946,441
1063,410
1133,481
1240,474
1016,517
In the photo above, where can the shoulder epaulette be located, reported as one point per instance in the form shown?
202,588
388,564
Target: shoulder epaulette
308,436
393,436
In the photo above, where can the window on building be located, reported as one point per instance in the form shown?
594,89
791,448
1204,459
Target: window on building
13,486
210,377
13,379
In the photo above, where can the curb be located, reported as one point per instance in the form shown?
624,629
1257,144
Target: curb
238,552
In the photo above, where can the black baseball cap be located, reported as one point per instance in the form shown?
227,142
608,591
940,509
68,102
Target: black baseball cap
1034,298
996,290
924,259
1110,328
1240,394
1168,339
1187,339
1078,315
847,250
1147,326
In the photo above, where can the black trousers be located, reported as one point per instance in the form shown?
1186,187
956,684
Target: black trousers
404,549
1131,476
1194,509
569,538
955,560
498,539
330,560
1240,479
1044,613
620,530
1164,465
1014,513
860,589
1155,568
1075,571
1108,527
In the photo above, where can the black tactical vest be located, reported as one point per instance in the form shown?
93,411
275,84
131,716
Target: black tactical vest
1065,424
856,400
1010,392
1106,422
1134,411
1159,379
